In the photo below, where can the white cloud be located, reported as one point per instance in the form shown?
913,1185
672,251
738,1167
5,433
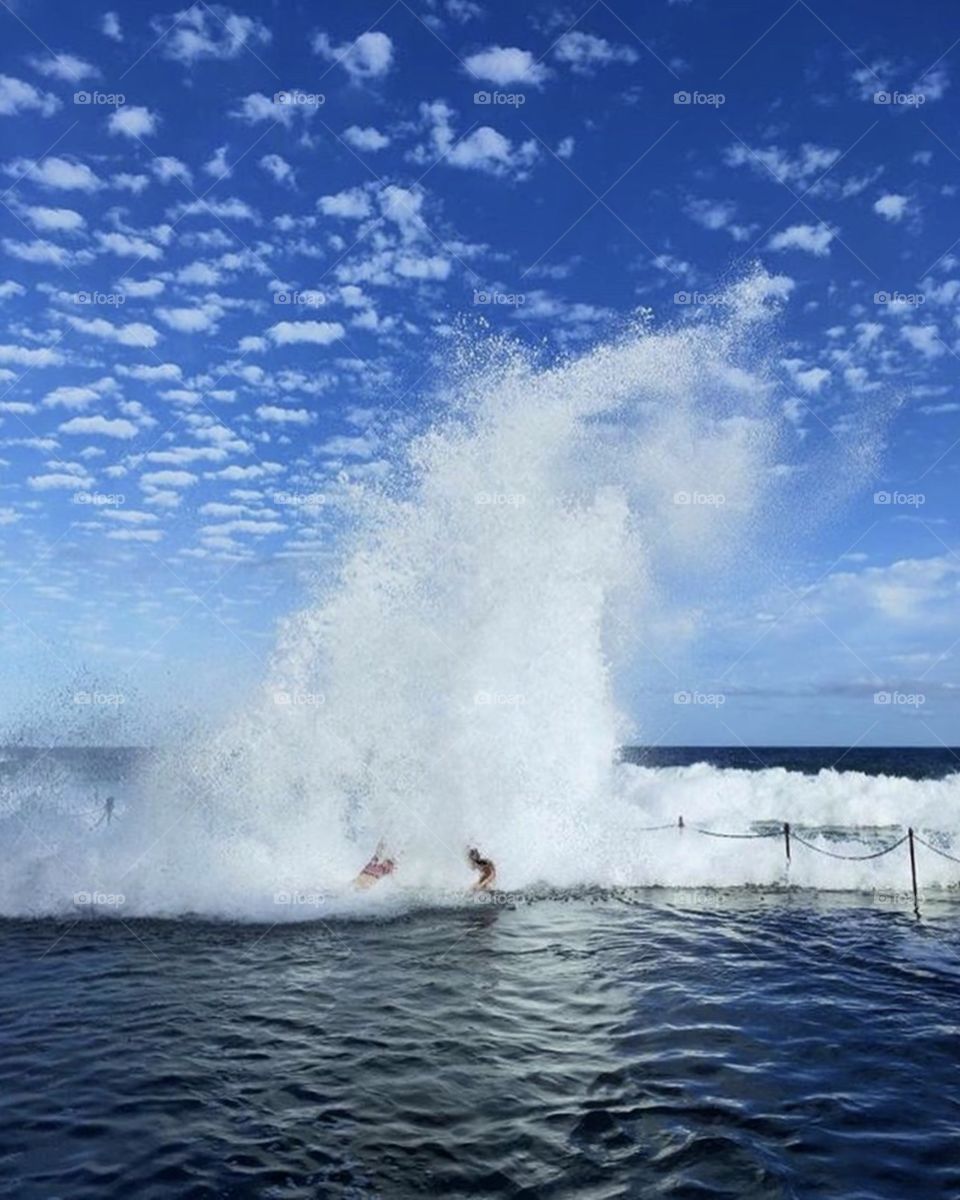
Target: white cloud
284,416
872,78
257,107
402,206
72,397
507,64
809,238
133,121
9,288
541,306
232,208
136,333
353,204
182,456
463,10
416,266
484,149
217,164
166,168
584,52
17,96
126,246
148,373
30,356
100,427
238,474
59,480
811,380
207,31
369,57
716,215
751,295
37,251
61,174
191,320
892,206
924,338
278,168
256,528
320,333
135,535
67,67
143,289
365,138
130,183
771,161
167,479
199,273
110,27
932,84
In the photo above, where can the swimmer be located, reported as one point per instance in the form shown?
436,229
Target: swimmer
376,868
488,872
107,814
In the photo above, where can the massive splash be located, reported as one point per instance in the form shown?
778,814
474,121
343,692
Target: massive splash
456,682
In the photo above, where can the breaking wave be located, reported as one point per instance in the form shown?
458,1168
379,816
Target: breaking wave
457,681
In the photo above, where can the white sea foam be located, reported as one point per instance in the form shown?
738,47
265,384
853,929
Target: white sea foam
456,682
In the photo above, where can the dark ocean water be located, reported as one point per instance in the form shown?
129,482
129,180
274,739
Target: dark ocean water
923,762
598,1045
908,762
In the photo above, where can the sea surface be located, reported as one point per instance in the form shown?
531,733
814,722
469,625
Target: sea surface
593,1043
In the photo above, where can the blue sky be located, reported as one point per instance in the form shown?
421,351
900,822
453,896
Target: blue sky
237,239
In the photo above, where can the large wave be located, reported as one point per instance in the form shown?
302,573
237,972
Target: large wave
456,682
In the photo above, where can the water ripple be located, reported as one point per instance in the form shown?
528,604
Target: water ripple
583,1049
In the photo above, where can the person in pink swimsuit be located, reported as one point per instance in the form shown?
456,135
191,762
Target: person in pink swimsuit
378,866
